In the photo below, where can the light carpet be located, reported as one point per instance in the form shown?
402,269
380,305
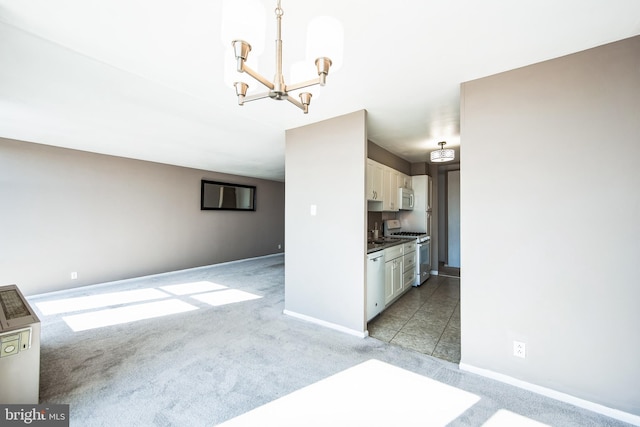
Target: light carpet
227,349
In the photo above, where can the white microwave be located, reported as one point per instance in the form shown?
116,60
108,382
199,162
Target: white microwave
405,199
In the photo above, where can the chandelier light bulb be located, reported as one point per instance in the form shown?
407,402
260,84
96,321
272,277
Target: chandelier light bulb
244,20
325,37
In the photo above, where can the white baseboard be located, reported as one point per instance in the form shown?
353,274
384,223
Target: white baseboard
326,324
150,276
563,397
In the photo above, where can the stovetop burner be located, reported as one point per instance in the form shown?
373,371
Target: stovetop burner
393,229
408,233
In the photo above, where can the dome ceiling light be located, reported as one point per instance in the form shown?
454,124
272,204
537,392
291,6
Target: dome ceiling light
443,155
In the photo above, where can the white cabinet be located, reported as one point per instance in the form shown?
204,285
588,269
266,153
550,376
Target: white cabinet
405,181
394,272
409,258
383,184
390,184
375,172
399,274
393,279
375,284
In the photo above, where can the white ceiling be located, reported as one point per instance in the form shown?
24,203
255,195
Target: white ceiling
144,78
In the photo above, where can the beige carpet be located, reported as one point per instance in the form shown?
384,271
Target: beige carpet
203,346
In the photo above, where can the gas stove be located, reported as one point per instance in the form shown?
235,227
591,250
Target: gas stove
392,228
420,237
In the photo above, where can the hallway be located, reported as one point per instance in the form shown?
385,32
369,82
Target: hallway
425,319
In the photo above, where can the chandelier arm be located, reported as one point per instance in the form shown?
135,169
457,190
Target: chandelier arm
255,75
297,103
256,96
278,90
308,83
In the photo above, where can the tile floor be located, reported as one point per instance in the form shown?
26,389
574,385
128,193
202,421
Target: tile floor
425,319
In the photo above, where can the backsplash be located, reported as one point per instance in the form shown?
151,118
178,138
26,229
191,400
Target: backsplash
379,217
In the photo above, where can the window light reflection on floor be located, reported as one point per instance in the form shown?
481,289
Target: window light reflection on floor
192,288
229,296
130,313
116,307
399,398
504,418
67,305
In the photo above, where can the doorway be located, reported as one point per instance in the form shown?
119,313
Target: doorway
427,318
449,220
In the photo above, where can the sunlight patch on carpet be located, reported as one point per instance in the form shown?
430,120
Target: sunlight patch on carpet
130,313
373,393
229,296
67,305
192,287
504,418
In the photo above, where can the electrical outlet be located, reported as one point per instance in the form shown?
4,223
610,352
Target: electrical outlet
279,246
519,349
74,275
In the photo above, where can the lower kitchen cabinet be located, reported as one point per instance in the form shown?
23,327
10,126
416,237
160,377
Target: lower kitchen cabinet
394,273
390,278
411,271
390,273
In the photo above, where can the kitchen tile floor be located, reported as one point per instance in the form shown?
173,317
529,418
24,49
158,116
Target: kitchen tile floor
425,319
445,270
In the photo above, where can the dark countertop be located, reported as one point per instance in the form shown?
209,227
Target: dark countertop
384,243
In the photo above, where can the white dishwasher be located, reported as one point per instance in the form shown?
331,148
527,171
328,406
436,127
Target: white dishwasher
375,284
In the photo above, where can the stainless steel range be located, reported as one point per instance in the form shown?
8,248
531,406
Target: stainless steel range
392,228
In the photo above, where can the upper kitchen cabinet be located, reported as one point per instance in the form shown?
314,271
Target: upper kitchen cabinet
383,183
391,178
375,176
405,181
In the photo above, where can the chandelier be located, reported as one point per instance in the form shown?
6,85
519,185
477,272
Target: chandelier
278,90
443,155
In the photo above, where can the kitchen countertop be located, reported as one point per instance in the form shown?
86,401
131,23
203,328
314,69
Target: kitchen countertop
384,243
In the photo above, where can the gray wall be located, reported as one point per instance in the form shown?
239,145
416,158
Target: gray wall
550,204
380,155
325,274
109,218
